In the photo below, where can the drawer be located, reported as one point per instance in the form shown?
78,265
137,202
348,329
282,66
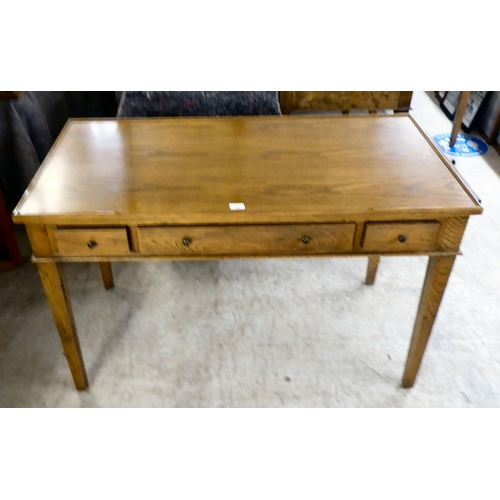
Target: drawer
311,239
400,236
91,242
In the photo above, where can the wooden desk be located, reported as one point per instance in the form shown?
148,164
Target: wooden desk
143,189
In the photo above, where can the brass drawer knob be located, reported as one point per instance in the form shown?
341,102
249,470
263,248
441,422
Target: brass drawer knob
305,239
186,242
402,238
92,244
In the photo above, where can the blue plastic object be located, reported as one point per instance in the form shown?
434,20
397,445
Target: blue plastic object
465,145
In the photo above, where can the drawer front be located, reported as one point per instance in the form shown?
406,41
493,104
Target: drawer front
400,236
311,239
91,242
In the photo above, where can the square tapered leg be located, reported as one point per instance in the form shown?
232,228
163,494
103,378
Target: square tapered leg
436,279
57,295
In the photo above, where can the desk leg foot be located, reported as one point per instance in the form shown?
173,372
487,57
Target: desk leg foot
107,275
57,295
371,272
436,279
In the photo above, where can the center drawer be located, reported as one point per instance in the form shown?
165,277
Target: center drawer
301,239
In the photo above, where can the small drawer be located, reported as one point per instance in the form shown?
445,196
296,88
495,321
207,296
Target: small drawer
91,242
400,236
300,239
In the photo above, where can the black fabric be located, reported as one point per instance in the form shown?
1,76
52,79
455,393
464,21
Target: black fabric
136,104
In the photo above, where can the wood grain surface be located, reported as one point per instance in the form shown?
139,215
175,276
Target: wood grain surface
54,283
436,279
371,270
401,236
284,169
309,239
107,275
91,242
370,100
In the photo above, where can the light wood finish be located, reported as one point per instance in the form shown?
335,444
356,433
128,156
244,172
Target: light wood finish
459,116
312,239
401,236
91,242
308,101
138,187
371,272
107,275
186,258
134,239
451,233
54,283
295,169
436,279
40,241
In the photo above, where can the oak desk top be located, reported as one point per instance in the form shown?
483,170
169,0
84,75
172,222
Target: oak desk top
284,169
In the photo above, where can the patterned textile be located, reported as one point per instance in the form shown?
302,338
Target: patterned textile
198,104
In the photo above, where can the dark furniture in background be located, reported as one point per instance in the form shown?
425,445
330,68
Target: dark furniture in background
345,101
488,121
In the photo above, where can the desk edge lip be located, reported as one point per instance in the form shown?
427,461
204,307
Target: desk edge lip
256,218
463,183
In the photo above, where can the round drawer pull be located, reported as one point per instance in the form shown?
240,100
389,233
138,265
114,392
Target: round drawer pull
92,244
186,242
305,239
402,238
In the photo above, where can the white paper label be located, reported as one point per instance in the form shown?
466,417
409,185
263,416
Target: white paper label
236,206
